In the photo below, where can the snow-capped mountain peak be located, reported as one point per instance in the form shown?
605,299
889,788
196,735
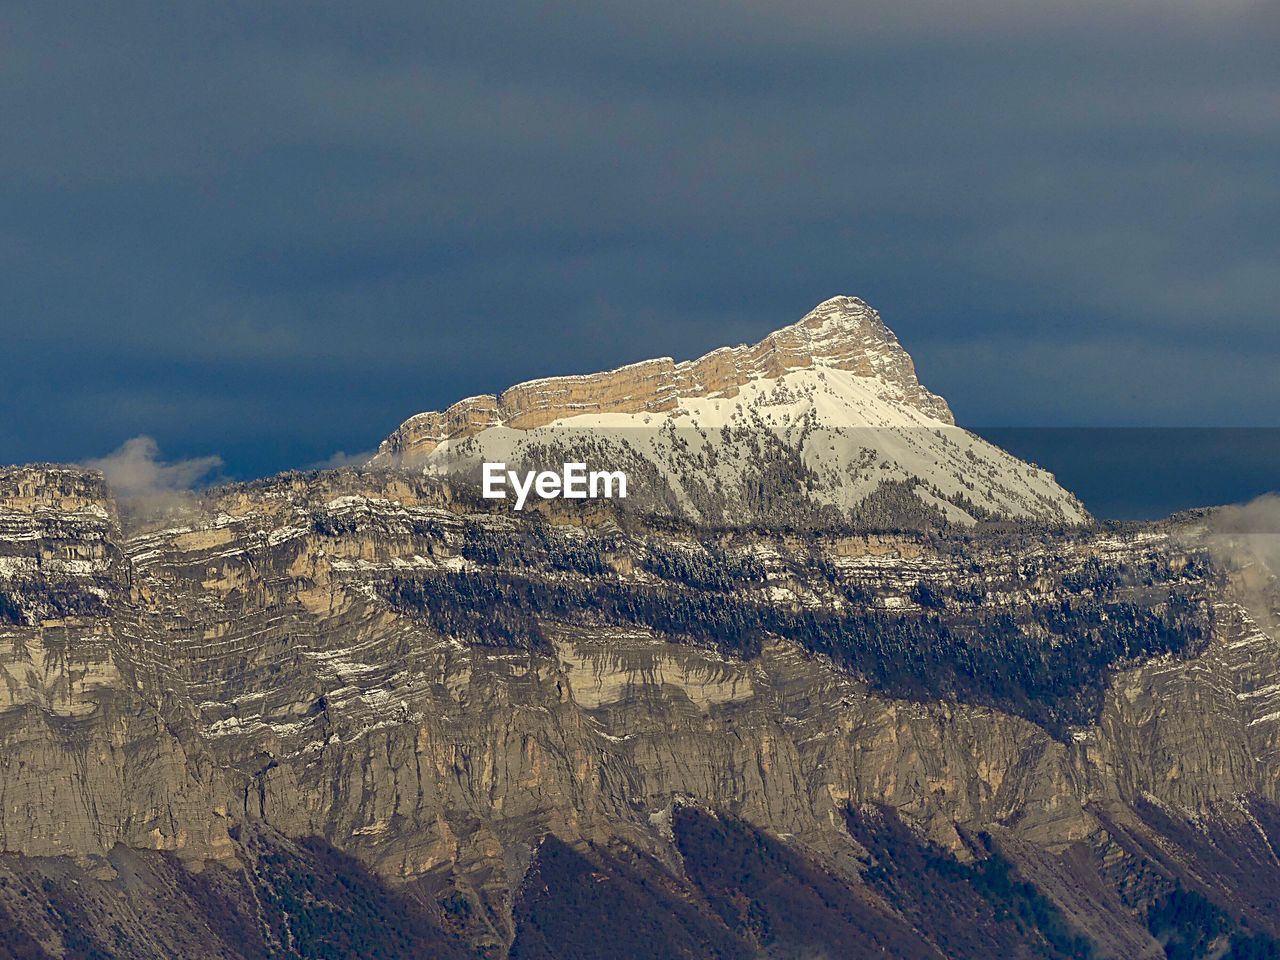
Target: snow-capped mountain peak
821,421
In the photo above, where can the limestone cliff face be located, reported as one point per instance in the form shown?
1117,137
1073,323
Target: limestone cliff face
842,333
300,654
95,750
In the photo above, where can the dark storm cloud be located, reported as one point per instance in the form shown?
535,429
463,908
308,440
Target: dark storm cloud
274,231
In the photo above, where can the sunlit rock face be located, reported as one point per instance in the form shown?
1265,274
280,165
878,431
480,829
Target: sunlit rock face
821,421
91,754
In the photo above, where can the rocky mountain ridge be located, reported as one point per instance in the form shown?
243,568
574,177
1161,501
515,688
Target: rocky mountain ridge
369,661
842,333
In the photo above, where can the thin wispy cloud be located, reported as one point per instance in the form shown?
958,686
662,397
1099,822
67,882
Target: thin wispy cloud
341,459
1248,534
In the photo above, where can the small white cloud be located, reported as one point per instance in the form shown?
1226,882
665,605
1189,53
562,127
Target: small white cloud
1248,534
145,484
341,458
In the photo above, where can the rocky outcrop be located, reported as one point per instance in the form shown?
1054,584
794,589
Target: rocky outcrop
96,752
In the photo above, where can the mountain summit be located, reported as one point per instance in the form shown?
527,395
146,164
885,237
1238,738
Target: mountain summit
821,421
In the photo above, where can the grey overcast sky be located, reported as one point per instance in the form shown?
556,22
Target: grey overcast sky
273,231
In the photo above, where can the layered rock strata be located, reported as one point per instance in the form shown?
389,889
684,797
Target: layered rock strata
304,655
